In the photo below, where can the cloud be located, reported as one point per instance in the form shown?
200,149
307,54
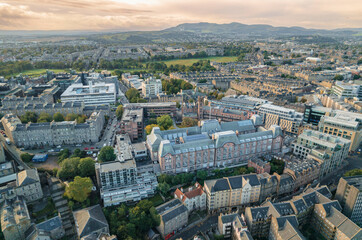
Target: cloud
159,14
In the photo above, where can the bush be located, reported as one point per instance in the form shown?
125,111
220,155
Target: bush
26,157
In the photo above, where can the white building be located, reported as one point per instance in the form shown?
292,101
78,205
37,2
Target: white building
347,90
151,87
92,94
193,197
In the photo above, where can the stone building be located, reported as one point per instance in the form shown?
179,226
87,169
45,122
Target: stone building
193,197
28,185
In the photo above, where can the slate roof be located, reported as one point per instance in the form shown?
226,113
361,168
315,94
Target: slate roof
253,179
89,220
171,209
27,177
236,182
259,212
50,224
228,218
245,235
218,185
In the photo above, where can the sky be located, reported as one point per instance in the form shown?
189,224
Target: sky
123,15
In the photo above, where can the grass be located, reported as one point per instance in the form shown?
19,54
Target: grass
156,200
189,62
37,72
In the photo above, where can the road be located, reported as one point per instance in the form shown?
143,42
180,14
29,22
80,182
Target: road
188,233
14,152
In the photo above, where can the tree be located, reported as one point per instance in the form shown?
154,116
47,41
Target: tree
338,77
71,117
188,122
58,117
303,100
178,105
86,167
79,153
106,154
132,93
164,122
26,157
29,117
149,128
69,168
201,174
119,112
44,117
163,188
220,96
353,172
63,154
79,189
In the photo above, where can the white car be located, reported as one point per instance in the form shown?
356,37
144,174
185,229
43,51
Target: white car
51,150
78,145
59,146
94,155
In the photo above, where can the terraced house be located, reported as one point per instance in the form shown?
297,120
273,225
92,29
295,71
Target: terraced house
212,144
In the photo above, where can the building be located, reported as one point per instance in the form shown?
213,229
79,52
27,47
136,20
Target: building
225,193
313,114
268,186
212,144
174,215
285,184
90,222
288,119
33,135
284,228
119,182
193,197
332,224
53,227
151,87
350,197
231,225
259,165
92,94
154,109
28,185
303,172
328,149
347,90
15,218
343,124
132,123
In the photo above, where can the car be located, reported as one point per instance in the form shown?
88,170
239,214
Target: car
57,150
90,152
94,155
78,145
51,150
60,146
86,148
104,144
92,148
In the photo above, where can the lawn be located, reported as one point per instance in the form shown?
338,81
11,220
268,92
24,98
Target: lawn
37,72
189,62
156,200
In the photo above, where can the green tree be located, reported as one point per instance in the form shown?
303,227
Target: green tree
63,155
132,93
44,117
353,172
119,112
188,122
79,153
86,167
201,175
106,154
69,168
26,157
338,77
71,117
220,96
79,189
178,105
163,188
164,122
29,117
58,117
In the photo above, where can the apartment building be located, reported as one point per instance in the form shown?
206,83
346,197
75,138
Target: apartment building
288,119
328,220
328,149
225,193
193,197
174,215
15,218
120,182
303,172
28,185
151,87
212,144
259,165
154,108
132,123
284,228
313,114
350,197
232,226
268,186
53,133
343,124
92,94
347,90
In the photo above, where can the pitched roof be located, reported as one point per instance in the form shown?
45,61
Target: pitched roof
89,220
27,177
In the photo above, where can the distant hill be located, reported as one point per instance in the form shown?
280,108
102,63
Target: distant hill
255,29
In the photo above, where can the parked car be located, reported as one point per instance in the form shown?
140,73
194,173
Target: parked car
60,146
51,150
94,155
86,148
78,145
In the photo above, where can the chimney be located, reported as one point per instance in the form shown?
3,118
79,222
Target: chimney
237,133
213,136
90,87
